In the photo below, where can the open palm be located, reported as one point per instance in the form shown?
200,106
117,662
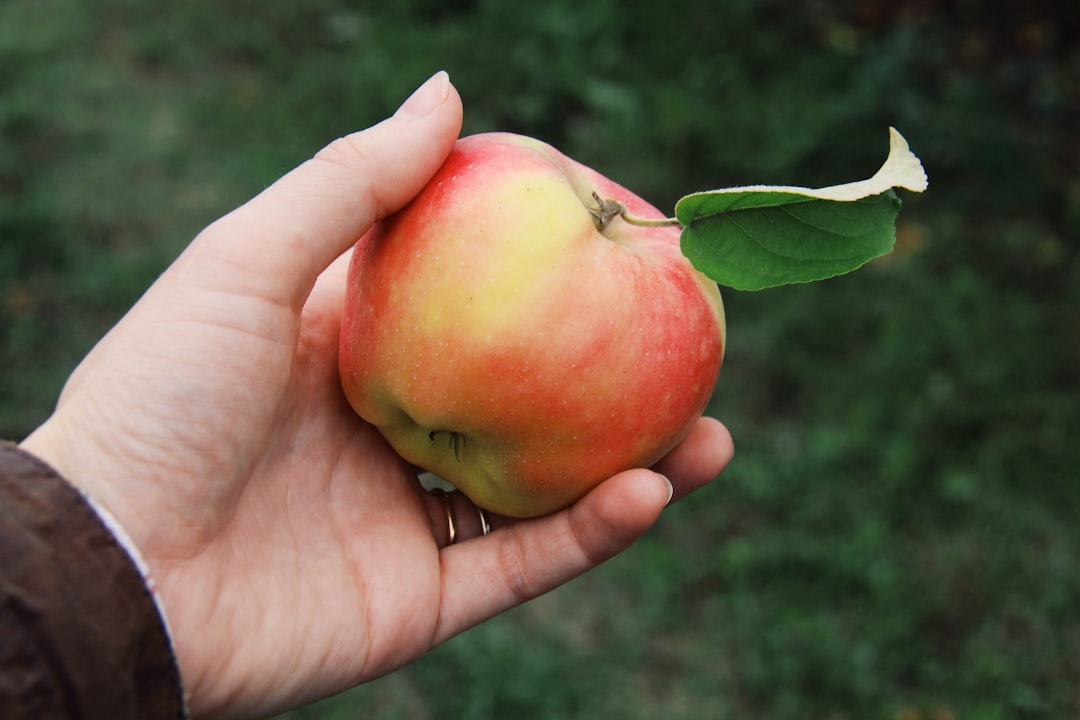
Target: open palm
294,553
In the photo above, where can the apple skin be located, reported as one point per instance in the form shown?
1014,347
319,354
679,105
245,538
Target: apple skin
498,339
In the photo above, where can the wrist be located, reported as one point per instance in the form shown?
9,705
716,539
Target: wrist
93,628
49,453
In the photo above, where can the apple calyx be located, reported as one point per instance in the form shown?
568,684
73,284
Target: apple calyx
457,440
610,208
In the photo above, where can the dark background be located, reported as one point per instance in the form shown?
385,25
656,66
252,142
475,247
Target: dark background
897,535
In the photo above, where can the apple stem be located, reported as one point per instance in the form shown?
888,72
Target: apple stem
610,209
650,222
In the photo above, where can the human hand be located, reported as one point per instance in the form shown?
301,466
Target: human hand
294,554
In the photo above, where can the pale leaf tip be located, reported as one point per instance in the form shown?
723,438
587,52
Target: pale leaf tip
905,168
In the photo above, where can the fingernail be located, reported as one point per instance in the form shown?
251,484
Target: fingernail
426,98
670,490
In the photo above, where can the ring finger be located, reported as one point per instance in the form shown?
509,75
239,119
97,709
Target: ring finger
455,518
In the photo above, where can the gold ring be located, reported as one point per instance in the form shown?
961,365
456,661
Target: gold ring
448,505
485,526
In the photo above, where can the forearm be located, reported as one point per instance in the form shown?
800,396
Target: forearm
80,634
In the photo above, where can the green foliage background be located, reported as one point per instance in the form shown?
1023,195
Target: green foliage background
897,535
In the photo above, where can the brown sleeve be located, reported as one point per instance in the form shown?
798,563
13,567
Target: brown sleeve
80,635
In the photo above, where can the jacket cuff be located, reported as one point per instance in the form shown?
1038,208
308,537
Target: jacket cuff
80,632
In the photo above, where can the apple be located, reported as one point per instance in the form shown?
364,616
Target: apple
503,337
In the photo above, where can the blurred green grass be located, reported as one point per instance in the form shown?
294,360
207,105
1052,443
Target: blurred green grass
896,536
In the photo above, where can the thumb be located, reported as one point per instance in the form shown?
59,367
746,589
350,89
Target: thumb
276,245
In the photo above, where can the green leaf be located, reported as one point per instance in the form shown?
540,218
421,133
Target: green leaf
755,237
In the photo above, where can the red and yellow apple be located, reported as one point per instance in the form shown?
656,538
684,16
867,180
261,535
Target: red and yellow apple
502,338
